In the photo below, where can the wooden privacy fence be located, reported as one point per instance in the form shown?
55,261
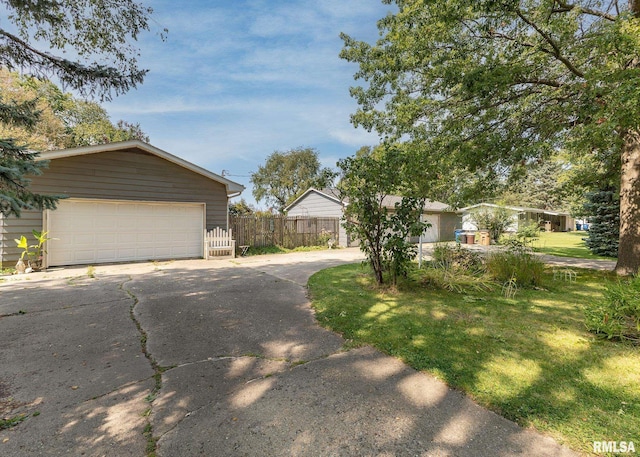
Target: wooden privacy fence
288,232
219,242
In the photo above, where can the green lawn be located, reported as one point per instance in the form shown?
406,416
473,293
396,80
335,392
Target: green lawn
529,358
564,244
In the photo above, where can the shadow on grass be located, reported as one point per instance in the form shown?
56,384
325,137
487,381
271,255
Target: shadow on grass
530,358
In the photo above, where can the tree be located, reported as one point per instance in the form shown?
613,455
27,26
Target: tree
63,121
486,86
541,184
367,180
603,209
286,175
99,33
241,208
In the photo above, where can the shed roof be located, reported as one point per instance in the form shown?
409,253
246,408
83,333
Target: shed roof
328,193
233,188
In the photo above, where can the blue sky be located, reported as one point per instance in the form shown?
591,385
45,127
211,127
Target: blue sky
237,80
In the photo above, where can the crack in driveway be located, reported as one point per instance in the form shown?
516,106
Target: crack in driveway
279,383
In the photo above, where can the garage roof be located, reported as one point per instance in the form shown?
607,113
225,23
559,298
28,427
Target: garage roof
389,201
233,188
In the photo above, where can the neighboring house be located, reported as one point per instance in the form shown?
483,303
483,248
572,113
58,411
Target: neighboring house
547,220
320,203
127,201
326,203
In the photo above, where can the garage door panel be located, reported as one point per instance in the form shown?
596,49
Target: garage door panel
105,231
108,238
108,254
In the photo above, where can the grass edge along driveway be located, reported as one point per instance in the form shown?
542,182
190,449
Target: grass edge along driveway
529,358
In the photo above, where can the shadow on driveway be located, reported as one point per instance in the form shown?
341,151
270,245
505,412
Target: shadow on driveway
241,369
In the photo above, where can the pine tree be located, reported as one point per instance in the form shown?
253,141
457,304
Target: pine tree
603,208
15,164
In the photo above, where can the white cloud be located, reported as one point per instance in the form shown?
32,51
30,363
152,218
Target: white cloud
355,137
237,80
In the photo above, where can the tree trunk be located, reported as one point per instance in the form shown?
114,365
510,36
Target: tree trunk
629,247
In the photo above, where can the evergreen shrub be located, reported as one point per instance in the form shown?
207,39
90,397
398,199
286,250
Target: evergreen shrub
603,208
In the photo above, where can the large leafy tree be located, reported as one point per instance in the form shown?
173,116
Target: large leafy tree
286,175
63,121
241,208
483,86
38,38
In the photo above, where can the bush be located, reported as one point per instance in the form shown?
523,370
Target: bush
496,220
528,233
455,269
617,314
518,265
453,281
456,258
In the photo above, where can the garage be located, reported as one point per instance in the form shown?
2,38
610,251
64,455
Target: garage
99,231
120,202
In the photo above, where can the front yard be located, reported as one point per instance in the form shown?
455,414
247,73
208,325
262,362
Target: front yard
529,358
565,244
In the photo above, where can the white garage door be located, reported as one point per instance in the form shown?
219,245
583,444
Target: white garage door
431,234
99,231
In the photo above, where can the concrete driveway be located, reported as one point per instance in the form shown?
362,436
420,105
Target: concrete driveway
217,358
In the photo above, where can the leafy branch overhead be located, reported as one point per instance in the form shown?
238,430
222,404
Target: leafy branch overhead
35,38
101,33
484,87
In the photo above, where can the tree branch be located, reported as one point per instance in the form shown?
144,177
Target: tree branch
82,78
556,48
564,7
539,82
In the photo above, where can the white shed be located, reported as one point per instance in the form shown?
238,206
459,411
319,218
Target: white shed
320,203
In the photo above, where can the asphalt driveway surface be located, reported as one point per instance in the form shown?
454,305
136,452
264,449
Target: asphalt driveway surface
217,358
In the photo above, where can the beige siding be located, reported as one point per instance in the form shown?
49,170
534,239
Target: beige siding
13,228
2,242
119,175
315,204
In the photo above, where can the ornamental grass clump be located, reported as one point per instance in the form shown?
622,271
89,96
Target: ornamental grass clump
517,265
455,269
456,258
617,314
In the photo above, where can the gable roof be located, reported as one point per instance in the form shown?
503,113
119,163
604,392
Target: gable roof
233,188
328,193
389,201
